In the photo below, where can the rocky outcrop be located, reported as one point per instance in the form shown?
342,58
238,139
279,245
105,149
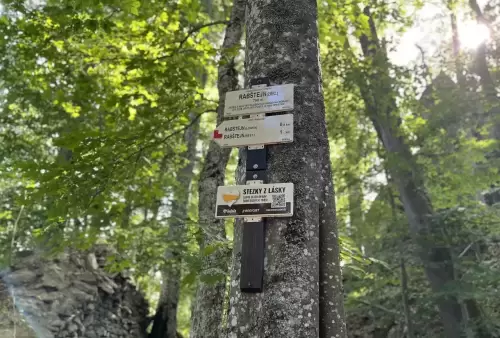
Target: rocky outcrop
12,324
72,296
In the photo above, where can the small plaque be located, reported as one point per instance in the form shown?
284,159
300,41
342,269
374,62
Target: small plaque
259,100
256,200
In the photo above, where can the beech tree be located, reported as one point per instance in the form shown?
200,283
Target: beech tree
208,304
302,291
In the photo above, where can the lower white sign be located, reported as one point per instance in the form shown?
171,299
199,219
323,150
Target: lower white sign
255,200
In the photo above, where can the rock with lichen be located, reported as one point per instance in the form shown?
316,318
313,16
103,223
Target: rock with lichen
71,295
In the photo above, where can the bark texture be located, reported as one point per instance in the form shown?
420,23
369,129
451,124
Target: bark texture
165,322
382,110
302,295
207,310
71,296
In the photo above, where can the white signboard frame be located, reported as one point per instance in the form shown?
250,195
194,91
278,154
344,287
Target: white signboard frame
259,100
255,200
253,131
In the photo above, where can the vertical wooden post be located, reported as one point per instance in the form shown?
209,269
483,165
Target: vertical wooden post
252,251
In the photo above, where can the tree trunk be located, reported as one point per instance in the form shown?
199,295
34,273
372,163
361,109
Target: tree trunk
471,307
459,68
381,108
165,322
406,303
402,264
355,191
485,78
355,208
302,293
206,315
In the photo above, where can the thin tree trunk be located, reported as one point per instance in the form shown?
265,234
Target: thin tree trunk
207,309
406,303
331,292
402,265
355,193
456,48
381,108
302,293
165,322
470,307
355,207
485,78
482,68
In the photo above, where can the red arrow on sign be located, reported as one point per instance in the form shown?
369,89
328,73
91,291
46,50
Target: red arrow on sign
217,134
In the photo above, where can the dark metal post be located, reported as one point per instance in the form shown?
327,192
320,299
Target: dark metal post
252,251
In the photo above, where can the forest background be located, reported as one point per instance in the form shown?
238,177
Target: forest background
107,109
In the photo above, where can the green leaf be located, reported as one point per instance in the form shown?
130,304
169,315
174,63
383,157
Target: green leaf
132,113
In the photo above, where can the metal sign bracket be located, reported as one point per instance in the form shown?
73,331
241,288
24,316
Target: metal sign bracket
252,250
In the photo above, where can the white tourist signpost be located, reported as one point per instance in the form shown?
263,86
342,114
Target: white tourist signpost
255,200
259,100
248,132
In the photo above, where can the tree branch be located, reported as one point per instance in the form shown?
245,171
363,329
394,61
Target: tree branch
380,307
189,34
479,15
199,27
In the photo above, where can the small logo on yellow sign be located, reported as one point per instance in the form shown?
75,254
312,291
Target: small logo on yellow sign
230,197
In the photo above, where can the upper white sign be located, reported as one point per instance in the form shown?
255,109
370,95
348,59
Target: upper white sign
247,132
259,100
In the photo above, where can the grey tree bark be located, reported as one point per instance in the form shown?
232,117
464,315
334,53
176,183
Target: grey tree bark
381,109
302,294
165,322
207,309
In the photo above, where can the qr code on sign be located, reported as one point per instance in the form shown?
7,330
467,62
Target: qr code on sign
278,201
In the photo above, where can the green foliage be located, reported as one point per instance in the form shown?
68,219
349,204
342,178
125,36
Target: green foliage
440,123
97,102
95,99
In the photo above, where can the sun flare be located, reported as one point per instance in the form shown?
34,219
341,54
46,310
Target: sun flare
472,34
